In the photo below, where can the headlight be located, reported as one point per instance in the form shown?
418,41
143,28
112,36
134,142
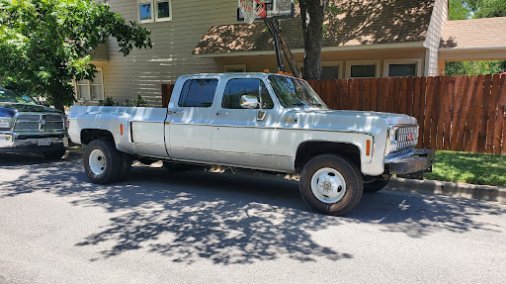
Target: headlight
5,122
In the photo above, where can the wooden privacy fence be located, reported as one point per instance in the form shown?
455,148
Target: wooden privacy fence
454,113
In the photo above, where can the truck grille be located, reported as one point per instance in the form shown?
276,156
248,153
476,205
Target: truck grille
406,137
39,123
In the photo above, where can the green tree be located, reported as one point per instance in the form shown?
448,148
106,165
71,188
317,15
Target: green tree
489,8
45,44
459,10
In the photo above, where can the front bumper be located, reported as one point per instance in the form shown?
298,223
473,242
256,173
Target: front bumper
10,142
419,160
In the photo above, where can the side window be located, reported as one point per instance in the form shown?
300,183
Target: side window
236,88
198,93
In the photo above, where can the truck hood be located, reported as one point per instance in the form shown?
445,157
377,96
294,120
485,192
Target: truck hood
343,120
10,109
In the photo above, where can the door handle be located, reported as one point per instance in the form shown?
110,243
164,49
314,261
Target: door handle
222,113
176,112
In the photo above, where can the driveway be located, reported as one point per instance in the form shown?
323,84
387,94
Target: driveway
211,228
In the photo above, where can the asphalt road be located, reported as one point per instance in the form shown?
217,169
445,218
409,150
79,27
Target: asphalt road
199,227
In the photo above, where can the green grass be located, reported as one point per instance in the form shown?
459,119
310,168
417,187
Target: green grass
469,168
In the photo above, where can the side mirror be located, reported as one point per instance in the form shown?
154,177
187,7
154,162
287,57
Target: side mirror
249,102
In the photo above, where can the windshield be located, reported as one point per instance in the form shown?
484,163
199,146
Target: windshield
293,92
7,96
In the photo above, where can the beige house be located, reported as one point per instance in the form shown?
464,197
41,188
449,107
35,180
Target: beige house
367,38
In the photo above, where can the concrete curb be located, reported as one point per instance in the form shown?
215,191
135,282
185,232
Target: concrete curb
462,190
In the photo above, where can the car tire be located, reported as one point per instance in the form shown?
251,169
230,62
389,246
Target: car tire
55,154
376,184
126,164
102,162
331,184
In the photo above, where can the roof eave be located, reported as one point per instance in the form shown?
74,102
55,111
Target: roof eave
401,45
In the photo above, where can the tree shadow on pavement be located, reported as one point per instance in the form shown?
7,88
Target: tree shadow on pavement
231,219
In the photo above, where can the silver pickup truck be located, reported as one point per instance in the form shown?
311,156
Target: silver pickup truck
257,121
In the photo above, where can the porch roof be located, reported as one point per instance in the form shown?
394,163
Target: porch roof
477,39
354,23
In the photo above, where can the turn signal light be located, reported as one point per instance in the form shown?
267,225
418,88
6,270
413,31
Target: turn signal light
368,148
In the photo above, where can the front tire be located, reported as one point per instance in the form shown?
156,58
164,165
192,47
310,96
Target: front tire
102,162
376,184
331,185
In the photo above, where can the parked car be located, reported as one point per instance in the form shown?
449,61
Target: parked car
265,122
28,127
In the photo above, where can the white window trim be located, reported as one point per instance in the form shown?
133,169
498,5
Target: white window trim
339,65
167,19
139,2
416,61
89,84
154,11
363,62
234,66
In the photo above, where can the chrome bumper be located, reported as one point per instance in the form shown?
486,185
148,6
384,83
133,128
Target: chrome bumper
14,142
418,160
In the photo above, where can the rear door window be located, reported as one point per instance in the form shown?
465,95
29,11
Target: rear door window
198,93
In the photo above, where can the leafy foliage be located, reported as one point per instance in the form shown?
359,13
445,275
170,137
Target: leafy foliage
459,10
109,101
45,44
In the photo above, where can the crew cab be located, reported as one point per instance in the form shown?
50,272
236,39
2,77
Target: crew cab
27,127
259,121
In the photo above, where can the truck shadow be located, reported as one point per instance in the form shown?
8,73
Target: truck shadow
24,159
227,219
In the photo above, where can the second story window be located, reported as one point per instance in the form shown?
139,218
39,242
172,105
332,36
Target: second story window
150,11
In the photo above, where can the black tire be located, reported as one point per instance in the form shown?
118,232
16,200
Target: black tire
126,164
376,184
111,170
55,154
350,173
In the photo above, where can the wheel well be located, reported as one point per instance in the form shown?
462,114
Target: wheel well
309,150
88,135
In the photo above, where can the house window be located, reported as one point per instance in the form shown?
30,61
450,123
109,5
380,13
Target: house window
362,69
145,11
331,70
154,10
402,68
93,90
235,68
163,10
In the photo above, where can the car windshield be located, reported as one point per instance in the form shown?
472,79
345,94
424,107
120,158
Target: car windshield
295,93
7,96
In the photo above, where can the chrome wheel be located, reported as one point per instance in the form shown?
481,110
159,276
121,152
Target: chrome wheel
328,185
97,162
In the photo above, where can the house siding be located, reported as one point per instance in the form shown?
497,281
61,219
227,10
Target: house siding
143,71
433,40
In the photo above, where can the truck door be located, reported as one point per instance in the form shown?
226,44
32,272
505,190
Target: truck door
188,128
242,136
